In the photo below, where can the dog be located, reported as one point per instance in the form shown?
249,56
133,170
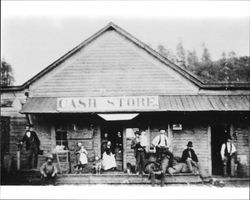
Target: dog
97,166
130,169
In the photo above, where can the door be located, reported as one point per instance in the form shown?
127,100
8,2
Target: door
219,133
4,136
113,132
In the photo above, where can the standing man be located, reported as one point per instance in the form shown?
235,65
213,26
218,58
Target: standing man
32,145
162,144
190,158
139,152
228,156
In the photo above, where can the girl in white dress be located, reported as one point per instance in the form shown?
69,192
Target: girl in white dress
82,159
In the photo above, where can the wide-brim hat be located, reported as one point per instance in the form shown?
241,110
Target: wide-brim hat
137,133
190,144
229,138
49,156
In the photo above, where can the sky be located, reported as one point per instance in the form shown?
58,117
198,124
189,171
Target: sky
35,34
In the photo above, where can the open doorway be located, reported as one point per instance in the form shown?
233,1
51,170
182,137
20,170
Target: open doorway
219,133
113,132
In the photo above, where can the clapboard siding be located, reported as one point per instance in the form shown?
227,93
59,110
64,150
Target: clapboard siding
242,145
111,63
198,135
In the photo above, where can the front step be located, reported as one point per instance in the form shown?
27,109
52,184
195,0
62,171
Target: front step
68,179
33,177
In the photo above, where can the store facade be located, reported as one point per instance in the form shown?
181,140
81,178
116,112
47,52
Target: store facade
113,83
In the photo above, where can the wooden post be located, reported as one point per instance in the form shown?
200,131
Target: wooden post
53,137
209,151
124,149
18,157
148,138
170,136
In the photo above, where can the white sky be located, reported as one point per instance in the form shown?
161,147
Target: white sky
35,34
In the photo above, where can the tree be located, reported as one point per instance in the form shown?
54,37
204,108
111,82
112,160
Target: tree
223,55
7,77
231,54
167,53
205,58
181,54
192,60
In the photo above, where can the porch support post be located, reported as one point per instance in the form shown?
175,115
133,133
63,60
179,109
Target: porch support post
53,137
124,150
209,151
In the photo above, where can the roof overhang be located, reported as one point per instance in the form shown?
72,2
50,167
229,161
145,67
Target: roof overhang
178,103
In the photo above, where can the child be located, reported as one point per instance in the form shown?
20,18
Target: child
83,159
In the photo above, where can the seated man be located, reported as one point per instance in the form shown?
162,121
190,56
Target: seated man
162,144
154,170
48,171
190,158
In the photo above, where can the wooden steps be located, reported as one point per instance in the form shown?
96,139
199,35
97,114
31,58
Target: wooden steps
33,177
65,179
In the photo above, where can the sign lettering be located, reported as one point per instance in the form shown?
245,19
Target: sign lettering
95,104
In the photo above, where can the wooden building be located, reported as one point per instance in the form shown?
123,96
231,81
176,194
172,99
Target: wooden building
112,82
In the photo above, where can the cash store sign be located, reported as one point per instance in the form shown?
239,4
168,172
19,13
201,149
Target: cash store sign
102,104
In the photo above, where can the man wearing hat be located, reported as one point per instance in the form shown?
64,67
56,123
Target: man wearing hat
228,156
32,145
139,152
48,170
189,157
162,145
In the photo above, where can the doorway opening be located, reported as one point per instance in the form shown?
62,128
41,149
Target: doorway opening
219,133
113,132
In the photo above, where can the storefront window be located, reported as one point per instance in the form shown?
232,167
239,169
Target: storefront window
61,138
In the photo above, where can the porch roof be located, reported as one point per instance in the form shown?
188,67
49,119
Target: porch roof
190,103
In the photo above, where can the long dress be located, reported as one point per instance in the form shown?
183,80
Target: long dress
108,159
83,156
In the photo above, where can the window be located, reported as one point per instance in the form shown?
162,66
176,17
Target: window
61,138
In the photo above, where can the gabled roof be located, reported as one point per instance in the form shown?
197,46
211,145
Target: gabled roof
184,73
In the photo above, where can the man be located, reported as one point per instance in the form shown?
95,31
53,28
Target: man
32,146
154,170
228,155
139,152
190,158
48,171
162,144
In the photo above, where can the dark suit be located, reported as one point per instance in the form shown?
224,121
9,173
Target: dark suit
140,155
32,146
185,155
189,157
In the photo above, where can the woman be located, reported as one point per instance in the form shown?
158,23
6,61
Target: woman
108,158
105,140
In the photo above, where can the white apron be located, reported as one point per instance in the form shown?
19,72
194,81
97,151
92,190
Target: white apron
108,161
83,157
